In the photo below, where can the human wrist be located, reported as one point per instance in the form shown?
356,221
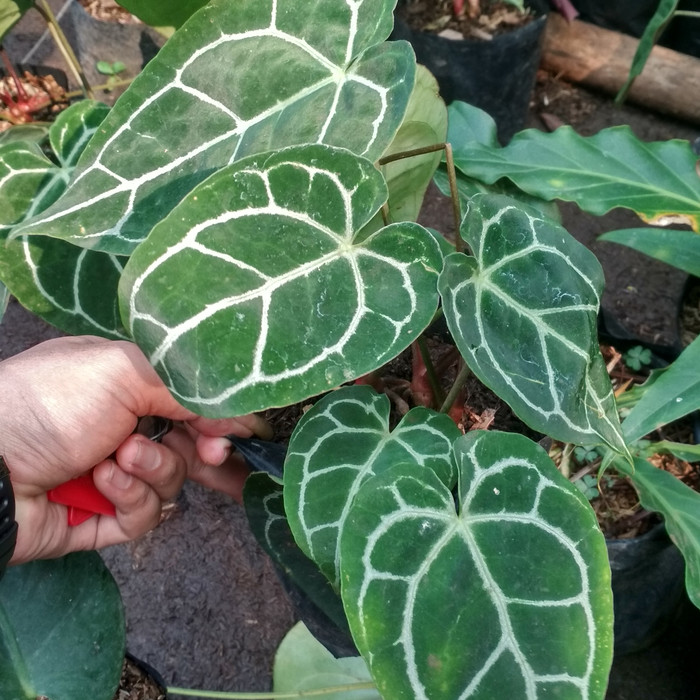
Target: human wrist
8,525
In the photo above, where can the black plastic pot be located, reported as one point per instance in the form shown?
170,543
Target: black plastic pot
648,585
149,672
497,75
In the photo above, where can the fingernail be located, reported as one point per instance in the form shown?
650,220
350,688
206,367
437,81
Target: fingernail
147,455
120,479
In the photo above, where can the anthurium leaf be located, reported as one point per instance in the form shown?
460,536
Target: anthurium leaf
611,169
341,442
522,310
424,125
163,13
655,27
32,133
678,248
680,505
69,286
305,72
515,578
302,663
264,507
282,302
62,631
11,12
674,393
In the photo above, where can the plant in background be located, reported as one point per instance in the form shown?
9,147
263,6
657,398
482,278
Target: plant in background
260,196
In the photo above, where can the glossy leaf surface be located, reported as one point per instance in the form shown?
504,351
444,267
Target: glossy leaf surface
341,442
305,72
680,505
515,577
256,292
62,632
522,310
163,13
674,393
69,286
611,169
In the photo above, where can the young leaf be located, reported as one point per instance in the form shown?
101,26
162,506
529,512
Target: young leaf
62,632
611,169
11,12
516,579
302,663
680,505
522,310
341,442
254,292
678,248
654,29
53,278
305,72
674,393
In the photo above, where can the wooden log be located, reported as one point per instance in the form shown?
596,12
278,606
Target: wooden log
599,58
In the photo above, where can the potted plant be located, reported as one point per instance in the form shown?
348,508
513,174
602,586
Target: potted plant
452,39
266,206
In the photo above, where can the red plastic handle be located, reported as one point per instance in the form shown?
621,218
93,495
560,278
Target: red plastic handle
82,498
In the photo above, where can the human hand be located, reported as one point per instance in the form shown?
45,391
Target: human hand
71,404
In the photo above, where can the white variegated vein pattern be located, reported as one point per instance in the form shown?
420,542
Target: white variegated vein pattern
331,456
28,264
141,167
499,658
358,302
523,313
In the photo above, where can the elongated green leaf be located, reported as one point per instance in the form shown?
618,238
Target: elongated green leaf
509,597
654,29
522,311
341,442
4,300
302,663
264,507
611,169
678,248
69,286
163,13
688,453
254,292
675,393
62,632
680,506
238,78
424,125
11,12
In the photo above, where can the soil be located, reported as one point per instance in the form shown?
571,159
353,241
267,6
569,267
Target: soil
203,603
475,20
109,11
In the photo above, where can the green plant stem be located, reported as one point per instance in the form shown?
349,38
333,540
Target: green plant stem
102,87
454,196
565,463
464,372
430,373
64,46
686,13
9,640
223,695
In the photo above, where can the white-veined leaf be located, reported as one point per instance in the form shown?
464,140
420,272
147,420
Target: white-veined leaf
257,290
238,78
506,595
522,309
342,441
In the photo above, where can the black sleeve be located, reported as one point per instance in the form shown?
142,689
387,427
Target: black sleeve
8,526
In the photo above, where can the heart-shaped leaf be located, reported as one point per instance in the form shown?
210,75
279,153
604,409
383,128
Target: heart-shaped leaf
71,287
238,78
256,291
611,169
509,596
342,441
11,12
522,309
62,631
